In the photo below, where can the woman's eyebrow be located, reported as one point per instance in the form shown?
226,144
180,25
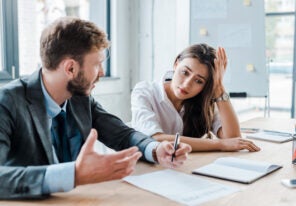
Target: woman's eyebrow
198,75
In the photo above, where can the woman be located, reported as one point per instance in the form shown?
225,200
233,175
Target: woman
192,101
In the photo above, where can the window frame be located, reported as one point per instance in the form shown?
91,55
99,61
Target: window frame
9,12
108,31
10,40
281,14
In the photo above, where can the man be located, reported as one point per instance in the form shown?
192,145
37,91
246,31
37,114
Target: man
47,118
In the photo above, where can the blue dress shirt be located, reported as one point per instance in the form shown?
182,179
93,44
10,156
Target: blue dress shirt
58,177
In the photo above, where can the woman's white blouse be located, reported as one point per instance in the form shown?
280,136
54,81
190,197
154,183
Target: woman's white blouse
153,112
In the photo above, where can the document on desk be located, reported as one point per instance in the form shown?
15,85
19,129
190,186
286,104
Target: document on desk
237,169
278,137
180,187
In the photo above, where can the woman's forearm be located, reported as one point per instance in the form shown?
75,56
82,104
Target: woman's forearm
201,144
230,125
197,144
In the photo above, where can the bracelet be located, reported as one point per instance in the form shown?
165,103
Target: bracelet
225,97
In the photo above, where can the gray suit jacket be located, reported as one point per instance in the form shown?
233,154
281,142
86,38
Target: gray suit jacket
25,141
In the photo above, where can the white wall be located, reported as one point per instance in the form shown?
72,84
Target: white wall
146,37
114,94
163,31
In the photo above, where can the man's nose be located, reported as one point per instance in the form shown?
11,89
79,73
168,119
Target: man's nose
101,72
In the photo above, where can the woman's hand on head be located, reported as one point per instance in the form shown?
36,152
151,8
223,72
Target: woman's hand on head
236,144
220,68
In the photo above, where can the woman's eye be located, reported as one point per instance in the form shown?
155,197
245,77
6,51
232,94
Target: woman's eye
184,72
198,81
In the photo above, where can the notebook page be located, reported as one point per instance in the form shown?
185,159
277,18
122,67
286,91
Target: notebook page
252,165
228,172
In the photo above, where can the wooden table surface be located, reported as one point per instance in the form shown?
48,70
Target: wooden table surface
265,191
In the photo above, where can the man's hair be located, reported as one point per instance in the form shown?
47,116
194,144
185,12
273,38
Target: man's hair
70,37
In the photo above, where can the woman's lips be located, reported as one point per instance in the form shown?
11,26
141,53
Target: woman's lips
183,91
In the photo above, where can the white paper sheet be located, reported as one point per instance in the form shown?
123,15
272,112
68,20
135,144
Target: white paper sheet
180,187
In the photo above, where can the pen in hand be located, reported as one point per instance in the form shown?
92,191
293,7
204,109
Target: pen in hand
176,144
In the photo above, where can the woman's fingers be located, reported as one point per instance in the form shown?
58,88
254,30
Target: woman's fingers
249,145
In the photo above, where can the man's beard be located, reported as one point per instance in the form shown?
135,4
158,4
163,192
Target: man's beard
79,85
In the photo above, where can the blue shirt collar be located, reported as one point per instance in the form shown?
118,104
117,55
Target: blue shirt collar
52,108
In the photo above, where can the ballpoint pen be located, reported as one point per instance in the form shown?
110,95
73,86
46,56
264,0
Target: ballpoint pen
176,144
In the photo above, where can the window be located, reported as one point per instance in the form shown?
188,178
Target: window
32,16
1,40
279,21
9,50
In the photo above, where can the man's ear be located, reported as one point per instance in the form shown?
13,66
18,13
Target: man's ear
70,68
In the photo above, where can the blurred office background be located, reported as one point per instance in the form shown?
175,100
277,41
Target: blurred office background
146,36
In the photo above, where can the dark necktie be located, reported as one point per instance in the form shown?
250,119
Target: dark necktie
60,139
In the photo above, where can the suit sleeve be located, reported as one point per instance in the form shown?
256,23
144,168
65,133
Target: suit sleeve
15,181
21,182
114,133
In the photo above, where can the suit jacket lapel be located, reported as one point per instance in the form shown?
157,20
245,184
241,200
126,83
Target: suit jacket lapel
79,107
38,112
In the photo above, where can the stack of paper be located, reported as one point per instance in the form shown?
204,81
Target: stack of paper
180,187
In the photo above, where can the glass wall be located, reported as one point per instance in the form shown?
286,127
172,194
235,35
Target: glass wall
279,23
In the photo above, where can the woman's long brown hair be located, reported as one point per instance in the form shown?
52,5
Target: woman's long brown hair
199,110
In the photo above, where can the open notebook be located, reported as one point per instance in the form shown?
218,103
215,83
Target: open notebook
236,169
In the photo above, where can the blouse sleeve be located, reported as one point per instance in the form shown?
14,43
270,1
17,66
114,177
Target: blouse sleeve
216,125
144,118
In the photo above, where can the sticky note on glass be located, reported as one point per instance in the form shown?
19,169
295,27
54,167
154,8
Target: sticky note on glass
203,32
247,3
250,67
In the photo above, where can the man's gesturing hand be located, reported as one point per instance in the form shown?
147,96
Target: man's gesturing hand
91,167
